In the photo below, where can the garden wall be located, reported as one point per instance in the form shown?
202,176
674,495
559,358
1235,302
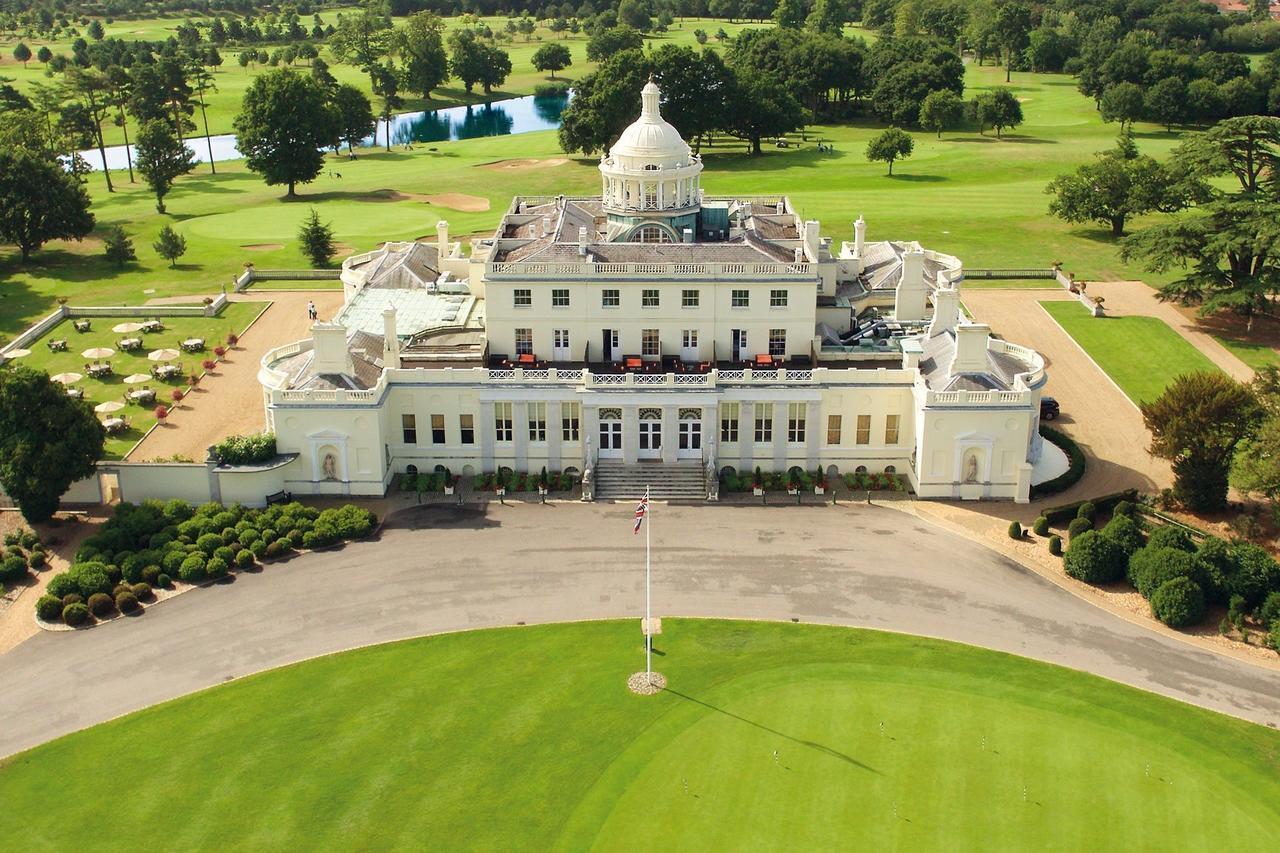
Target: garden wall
41,327
250,275
198,482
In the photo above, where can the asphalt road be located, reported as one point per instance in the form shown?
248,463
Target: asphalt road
443,569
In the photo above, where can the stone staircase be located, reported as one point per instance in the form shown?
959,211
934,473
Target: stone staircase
682,481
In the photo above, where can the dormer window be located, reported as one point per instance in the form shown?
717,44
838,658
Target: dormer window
652,234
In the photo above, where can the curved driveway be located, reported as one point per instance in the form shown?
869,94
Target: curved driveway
446,569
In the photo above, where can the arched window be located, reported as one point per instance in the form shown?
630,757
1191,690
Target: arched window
890,469
652,234
861,469
411,470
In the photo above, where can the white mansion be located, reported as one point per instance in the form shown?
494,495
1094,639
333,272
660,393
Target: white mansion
654,325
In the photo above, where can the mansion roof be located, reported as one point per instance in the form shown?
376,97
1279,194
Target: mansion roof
935,367
400,266
366,362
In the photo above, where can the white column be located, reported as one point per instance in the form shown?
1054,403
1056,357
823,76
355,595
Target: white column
670,433
630,434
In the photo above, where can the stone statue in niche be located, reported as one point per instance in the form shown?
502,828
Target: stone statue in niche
330,466
971,468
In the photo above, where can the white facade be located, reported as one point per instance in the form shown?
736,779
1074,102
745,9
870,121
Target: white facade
726,335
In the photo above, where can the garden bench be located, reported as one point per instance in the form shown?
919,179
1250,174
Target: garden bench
281,497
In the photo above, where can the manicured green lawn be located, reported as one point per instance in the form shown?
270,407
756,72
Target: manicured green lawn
1142,354
234,318
1256,356
527,738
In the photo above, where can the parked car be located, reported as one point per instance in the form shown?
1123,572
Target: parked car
1049,409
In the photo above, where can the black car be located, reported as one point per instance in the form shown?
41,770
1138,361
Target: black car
1049,408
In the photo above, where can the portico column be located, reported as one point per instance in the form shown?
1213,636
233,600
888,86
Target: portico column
779,436
488,462
554,425
670,433
520,435
812,434
588,434
630,434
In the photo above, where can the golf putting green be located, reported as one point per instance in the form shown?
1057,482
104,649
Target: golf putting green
770,736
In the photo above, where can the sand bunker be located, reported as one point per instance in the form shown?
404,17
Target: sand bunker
261,247
524,165
459,201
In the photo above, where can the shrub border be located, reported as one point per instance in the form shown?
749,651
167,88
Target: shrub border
1075,468
1069,511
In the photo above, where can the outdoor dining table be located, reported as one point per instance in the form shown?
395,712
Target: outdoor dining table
167,371
142,395
113,424
98,370
128,344
193,344
81,325
77,393
59,345
153,326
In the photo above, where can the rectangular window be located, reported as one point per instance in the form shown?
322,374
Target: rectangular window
538,422
524,341
649,342
739,299
522,297
689,339
729,423
560,297
777,299
437,429
467,429
610,298
409,428
891,429
688,299
648,299
796,423
833,429
764,423
777,342
569,418
864,429
502,422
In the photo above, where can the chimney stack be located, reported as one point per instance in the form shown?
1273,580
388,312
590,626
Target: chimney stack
390,340
687,235
811,239
971,348
799,254
582,240
329,348
909,300
859,237
546,226
442,239
946,310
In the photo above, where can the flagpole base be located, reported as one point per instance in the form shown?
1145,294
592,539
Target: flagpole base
646,683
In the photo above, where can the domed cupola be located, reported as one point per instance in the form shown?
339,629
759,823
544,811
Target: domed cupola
650,178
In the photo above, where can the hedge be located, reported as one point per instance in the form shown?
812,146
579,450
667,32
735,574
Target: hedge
1178,602
246,449
1093,558
1152,566
1058,514
1075,465
49,608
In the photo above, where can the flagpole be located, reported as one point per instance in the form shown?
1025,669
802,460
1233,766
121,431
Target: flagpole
648,614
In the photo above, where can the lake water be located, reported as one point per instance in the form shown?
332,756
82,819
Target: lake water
497,118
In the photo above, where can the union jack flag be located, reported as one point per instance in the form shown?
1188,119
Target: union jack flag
642,509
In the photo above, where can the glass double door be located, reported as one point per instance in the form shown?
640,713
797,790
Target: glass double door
650,438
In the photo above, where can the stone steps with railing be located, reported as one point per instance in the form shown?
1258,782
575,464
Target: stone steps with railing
616,480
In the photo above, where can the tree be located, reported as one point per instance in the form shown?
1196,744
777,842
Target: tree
1120,185
162,158
282,125
162,90
467,57
604,102
118,248
316,238
635,14
941,111
362,40
552,57
44,54
695,89
761,106
40,201
495,69
892,144
1011,26
202,81
95,30
999,109
424,62
386,84
828,16
1255,471
1123,102
606,43
47,441
170,245
22,54
790,14
1166,102
355,114
1196,424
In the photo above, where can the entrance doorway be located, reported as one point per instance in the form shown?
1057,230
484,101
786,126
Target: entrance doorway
690,438
740,352
611,434
650,435
610,344
560,344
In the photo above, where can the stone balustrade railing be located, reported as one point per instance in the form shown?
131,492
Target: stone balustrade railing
572,269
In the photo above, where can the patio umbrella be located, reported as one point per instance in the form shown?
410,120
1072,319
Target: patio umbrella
108,407
125,328
67,378
18,353
163,354
98,352
137,378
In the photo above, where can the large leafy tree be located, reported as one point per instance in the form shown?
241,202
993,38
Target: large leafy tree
552,57
94,91
162,158
40,201
420,44
1011,28
1197,424
695,89
363,39
162,90
47,441
604,103
762,107
999,109
283,123
610,42
889,145
1120,185
941,111
1227,246
355,114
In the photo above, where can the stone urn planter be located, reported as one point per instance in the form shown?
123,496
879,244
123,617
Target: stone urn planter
758,491
819,490
448,489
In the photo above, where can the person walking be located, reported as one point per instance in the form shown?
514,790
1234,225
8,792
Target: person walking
311,311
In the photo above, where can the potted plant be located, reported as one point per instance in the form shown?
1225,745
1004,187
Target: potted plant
793,487
233,339
819,484
542,484
450,483
757,483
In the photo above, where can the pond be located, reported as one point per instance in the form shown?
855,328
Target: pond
496,118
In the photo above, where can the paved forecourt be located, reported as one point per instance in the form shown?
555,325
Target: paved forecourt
448,569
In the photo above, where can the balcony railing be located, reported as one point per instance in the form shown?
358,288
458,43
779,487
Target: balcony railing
530,269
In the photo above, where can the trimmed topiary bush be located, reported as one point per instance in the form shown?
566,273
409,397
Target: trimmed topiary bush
1178,602
309,540
1257,576
1040,526
209,542
49,608
192,569
90,578
36,560
1078,526
1124,508
1150,567
1124,531
258,548
13,568
62,585
119,588
225,554
1270,609
72,598
101,604
1087,510
1015,530
164,581
75,614
1217,567
1169,536
141,591
1093,558
126,602
1055,545
150,573
244,559
216,568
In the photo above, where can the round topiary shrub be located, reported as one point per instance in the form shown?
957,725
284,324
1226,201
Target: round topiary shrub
1040,526
1124,531
225,554
258,548
272,551
90,578
248,536
284,544
209,542
75,614
1087,510
49,608
1078,526
141,591
150,573
127,602
118,588
1178,602
62,585
1270,609
36,560
72,598
1124,508
309,540
1055,545
1151,567
164,581
1015,530
1171,537
216,568
1093,558
13,568
269,534
192,569
244,559
101,604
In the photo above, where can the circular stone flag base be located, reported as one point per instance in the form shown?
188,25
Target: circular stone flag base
646,684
